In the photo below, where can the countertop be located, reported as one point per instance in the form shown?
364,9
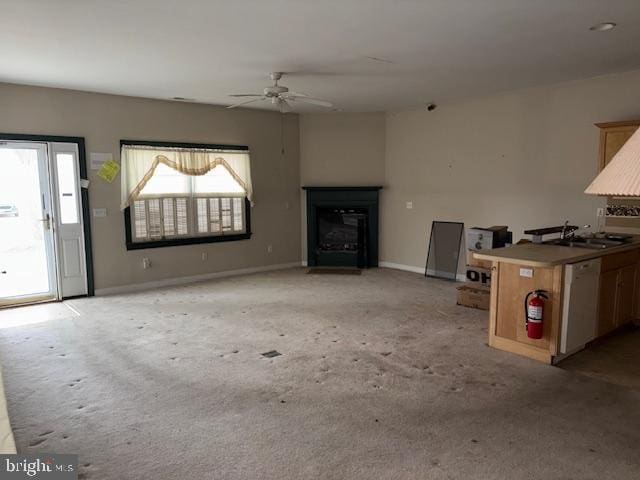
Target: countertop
541,255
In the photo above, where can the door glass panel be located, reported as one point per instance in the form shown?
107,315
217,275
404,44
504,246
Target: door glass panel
67,188
24,264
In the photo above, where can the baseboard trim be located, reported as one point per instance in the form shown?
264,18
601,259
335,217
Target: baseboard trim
399,266
408,268
170,282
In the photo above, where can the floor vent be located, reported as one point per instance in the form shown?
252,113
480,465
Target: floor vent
271,354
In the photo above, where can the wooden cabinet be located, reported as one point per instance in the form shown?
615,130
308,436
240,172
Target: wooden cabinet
626,295
613,135
618,298
618,284
607,302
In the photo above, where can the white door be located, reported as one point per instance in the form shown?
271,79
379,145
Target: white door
68,221
27,258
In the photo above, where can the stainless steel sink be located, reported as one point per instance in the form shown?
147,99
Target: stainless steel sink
591,243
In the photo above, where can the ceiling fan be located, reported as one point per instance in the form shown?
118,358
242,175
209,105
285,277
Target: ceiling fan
280,96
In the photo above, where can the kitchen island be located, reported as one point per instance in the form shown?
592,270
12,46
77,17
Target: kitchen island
520,269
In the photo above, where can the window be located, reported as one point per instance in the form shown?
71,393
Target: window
67,201
167,206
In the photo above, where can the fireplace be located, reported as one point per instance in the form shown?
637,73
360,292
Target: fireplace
342,226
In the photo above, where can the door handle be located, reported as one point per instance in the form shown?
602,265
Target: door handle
47,221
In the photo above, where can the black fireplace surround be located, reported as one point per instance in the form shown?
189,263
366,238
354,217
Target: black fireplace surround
342,226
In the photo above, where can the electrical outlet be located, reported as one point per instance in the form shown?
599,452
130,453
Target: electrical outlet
146,263
526,272
409,205
204,256
600,212
269,248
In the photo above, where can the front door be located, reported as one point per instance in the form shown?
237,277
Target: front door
42,250
27,258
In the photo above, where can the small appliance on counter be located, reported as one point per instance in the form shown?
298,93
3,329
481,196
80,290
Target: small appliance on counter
487,238
475,291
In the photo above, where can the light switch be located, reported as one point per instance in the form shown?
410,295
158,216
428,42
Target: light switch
99,212
409,205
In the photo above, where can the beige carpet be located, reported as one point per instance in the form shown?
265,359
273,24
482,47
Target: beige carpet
382,377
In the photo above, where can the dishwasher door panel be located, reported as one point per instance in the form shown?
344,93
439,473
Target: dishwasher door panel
580,305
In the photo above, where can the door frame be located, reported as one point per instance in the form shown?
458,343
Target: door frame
84,192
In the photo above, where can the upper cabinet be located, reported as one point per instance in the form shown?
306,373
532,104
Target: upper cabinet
613,135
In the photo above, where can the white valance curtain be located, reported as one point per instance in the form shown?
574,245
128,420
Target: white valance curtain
138,163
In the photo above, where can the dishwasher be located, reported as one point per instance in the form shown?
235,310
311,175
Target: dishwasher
580,305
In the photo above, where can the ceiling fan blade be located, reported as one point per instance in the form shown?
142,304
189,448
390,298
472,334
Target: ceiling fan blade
246,95
294,94
314,101
284,106
247,101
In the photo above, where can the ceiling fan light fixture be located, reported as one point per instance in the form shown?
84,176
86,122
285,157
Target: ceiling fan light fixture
279,96
603,27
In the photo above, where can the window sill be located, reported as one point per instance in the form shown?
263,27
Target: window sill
174,242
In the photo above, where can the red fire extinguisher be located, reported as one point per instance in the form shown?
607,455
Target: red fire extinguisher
534,311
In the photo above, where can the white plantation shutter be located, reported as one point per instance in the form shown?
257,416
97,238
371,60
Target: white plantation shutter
182,216
168,217
140,218
225,209
154,218
158,218
214,215
237,215
202,215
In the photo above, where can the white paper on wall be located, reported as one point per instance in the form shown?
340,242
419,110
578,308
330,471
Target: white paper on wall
96,159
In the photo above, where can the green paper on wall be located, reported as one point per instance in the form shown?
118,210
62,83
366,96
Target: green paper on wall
109,170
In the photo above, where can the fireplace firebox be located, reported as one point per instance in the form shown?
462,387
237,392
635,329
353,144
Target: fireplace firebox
342,226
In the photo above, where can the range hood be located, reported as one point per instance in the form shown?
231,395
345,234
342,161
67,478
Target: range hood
621,177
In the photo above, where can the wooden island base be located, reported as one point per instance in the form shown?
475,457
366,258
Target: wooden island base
521,269
507,324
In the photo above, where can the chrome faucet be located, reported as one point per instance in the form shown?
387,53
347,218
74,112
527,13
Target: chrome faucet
569,231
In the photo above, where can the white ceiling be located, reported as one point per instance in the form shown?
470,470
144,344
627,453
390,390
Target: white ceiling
434,50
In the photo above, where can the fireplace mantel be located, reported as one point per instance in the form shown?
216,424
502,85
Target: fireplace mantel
356,199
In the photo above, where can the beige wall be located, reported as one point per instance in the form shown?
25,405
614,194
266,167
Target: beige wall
106,119
340,149
520,159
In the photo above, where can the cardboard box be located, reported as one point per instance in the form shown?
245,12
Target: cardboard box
474,262
473,297
478,277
